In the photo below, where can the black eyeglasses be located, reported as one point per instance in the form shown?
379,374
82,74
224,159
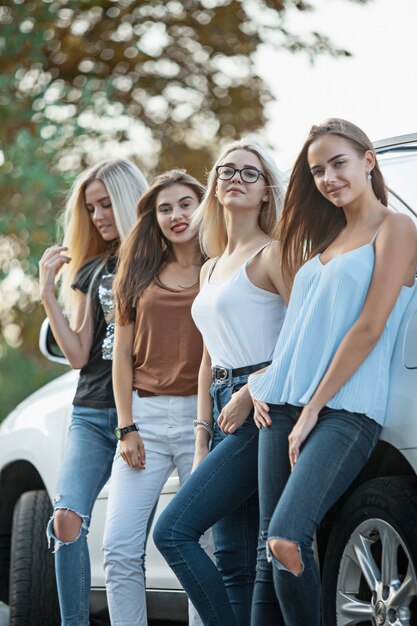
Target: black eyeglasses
247,174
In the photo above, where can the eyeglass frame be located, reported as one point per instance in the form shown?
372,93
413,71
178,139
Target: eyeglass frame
250,182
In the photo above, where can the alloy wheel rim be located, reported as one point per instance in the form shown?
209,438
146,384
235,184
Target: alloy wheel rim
377,581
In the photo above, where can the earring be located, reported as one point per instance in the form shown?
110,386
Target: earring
369,177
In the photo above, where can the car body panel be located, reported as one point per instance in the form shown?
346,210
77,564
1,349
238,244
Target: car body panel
35,432
400,428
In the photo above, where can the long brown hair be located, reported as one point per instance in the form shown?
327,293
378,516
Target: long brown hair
309,222
146,250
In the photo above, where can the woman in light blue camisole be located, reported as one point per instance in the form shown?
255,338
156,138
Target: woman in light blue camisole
321,403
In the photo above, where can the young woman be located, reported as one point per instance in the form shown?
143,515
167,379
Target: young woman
157,353
321,404
99,213
239,312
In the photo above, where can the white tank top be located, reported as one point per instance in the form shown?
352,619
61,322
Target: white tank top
240,322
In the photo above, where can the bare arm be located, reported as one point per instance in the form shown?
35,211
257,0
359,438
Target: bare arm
123,372
273,270
204,410
267,275
395,266
131,446
204,401
265,271
75,342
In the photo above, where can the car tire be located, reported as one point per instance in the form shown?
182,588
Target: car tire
370,563
33,596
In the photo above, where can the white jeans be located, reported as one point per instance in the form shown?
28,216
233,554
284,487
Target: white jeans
166,427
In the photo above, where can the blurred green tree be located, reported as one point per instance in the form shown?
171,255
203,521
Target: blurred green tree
160,81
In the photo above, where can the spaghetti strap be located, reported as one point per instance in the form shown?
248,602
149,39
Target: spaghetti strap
242,267
376,234
252,256
211,268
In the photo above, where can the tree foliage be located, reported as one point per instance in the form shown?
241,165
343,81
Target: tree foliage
160,81
79,73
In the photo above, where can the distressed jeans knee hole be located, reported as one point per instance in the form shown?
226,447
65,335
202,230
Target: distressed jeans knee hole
58,543
271,558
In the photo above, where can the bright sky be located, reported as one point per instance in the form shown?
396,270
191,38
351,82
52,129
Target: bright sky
376,88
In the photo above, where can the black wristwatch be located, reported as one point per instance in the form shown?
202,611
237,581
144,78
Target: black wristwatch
121,432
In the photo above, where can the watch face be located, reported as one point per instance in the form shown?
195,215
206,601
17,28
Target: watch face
117,433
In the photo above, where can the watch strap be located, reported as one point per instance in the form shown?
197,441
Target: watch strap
121,432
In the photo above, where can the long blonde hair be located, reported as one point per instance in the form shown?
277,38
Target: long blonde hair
210,215
146,250
125,183
309,222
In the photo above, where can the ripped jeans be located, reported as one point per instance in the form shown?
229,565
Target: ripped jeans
85,469
292,504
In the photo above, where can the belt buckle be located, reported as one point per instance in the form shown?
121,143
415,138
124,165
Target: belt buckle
221,374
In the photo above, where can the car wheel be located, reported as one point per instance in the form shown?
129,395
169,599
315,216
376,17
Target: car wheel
370,564
33,597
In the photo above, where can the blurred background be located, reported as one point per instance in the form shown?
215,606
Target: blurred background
165,83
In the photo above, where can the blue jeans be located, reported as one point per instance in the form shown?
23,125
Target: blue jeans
292,505
221,493
85,469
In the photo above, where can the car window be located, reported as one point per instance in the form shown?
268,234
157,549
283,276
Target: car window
400,172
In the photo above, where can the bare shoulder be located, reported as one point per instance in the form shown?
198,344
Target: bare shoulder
269,258
396,246
272,267
399,225
272,253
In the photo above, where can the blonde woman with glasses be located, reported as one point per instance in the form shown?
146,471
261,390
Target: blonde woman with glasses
239,311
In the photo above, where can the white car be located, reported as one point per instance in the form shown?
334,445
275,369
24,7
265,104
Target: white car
367,544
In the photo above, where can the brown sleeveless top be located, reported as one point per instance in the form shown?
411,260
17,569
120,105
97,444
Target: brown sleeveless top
167,346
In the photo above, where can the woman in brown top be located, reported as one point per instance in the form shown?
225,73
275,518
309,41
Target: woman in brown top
157,352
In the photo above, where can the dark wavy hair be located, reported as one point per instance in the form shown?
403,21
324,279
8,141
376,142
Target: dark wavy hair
146,250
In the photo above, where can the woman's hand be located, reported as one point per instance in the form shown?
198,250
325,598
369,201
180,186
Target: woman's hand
133,450
303,427
200,454
236,411
260,409
261,414
51,262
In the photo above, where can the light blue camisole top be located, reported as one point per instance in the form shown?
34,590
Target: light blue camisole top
325,302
